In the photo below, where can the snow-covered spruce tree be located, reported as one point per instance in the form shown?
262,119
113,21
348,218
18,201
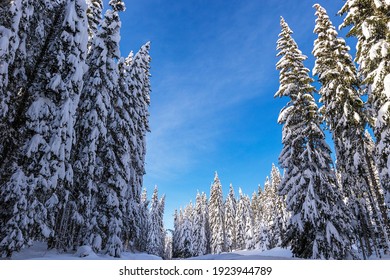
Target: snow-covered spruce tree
94,14
257,210
136,84
230,220
248,217
175,234
94,158
343,112
244,223
11,14
255,205
269,213
128,129
121,131
113,192
155,244
66,69
163,232
378,193
199,228
168,248
267,201
256,214
140,88
187,233
131,110
10,19
240,222
142,223
205,244
23,45
370,23
277,227
183,235
260,226
319,227
37,166
216,218
16,196
205,206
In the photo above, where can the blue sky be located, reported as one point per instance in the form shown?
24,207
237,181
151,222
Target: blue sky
213,82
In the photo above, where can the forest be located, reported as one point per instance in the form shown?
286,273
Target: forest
74,118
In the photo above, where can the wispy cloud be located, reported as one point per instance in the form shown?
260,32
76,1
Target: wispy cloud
193,100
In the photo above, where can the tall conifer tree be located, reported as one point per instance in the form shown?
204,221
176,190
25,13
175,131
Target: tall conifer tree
155,244
230,220
216,218
344,115
94,157
319,224
369,23
36,167
200,238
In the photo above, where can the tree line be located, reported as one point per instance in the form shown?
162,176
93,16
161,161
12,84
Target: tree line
217,224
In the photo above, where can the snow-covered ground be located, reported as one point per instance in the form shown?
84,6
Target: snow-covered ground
273,254
39,251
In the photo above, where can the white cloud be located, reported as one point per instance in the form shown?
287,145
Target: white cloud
192,99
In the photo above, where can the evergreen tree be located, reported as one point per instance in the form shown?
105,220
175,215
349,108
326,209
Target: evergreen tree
240,223
187,234
278,208
230,220
168,248
155,244
255,206
66,69
163,233
95,167
269,221
261,228
268,214
343,112
176,234
142,223
369,22
11,13
94,15
204,245
184,233
120,133
36,172
114,189
248,218
319,226
13,23
199,226
140,88
206,219
216,218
